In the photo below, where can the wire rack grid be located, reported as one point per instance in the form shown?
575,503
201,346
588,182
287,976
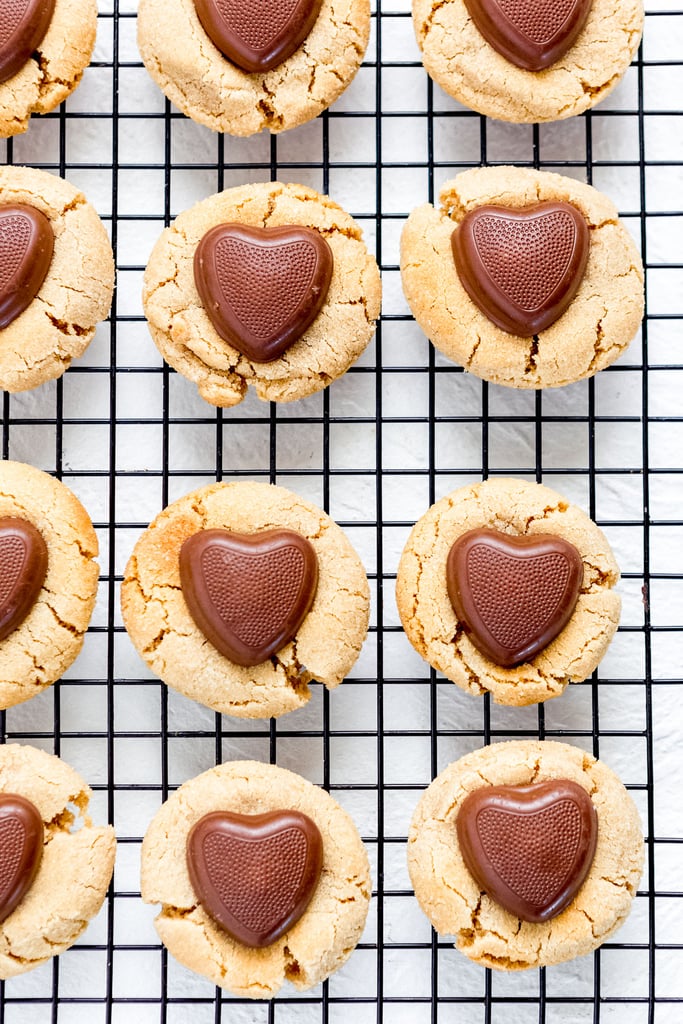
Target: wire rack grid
402,428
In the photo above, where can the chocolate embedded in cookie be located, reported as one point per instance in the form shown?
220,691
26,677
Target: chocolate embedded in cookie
513,594
522,267
26,247
255,874
23,24
533,34
248,593
21,849
23,567
529,847
257,36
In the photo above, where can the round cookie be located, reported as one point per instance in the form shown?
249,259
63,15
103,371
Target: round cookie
76,866
595,330
458,57
45,644
209,88
188,340
76,293
55,67
516,508
160,624
323,938
483,930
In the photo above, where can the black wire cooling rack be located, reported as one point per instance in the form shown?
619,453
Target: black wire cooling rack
401,429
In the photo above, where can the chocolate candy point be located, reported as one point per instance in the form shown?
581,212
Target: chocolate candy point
23,24
255,874
248,593
23,567
21,849
513,595
522,267
533,34
254,35
529,847
262,288
26,247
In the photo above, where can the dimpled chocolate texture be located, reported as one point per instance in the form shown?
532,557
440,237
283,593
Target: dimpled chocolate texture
248,593
255,874
257,35
522,268
533,34
23,567
21,849
513,595
529,847
26,248
23,24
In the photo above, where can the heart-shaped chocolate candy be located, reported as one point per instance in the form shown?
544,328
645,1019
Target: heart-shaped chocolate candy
23,24
21,849
262,287
26,246
255,874
522,267
23,567
513,595
533,34
254,35
248,593
529,847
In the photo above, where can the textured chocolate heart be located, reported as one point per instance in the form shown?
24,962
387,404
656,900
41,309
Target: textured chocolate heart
255,874
248,593
513,595
254,35
23,567
26,246
533,34
23,24
21,849
529,847
262,287
522,268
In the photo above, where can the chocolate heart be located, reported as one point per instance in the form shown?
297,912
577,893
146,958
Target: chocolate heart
262,287
254,35
23,567
513,595
21,849
529,847
26,246
255,874
248,593
23,24
533,34
522,268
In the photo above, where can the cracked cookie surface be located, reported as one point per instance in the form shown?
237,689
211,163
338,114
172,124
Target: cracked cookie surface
46,643
596,329
323,938
186,337
205,85
77,863
159,623
76,294
518,508
483,930
465,65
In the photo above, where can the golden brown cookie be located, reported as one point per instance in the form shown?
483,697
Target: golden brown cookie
76,865
455,903
595,330
516,508
466,66
323,938
165,634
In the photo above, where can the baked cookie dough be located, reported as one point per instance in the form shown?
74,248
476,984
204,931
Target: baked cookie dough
324,937
458,57
46,643
186,337
54,69
483,930
209,88
162,629
76,866
76,294
517,508
595,330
